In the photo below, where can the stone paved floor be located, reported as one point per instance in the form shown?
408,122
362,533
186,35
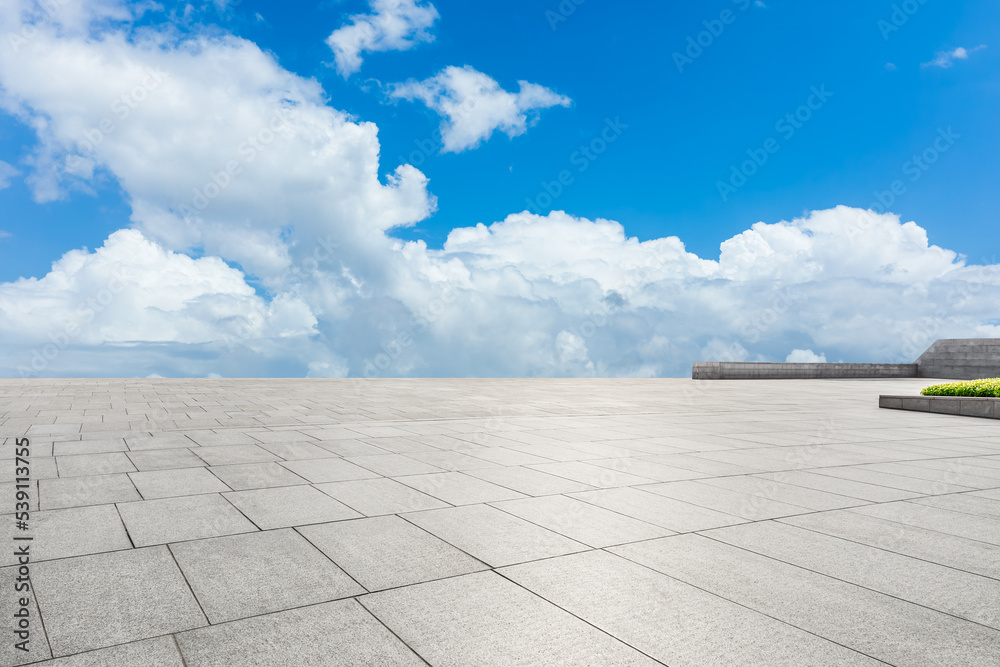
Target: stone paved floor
501,522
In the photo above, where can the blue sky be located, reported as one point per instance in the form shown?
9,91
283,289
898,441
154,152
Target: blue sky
893,83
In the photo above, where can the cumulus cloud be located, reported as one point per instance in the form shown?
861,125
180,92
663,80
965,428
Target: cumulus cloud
229,160
393,25
805,357
946,59
473,105
7,173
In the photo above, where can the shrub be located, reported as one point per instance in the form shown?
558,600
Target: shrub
987,387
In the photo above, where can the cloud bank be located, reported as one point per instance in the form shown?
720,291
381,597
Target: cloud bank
260,241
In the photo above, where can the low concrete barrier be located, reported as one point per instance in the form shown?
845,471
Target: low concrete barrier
754,370
967,406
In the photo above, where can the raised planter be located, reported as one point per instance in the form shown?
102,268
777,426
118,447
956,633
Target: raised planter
966,406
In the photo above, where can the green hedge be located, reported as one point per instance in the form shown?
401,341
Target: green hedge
987,387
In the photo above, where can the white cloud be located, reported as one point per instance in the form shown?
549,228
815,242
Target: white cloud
7,173
306,217
805,357
394,25
473,105
946,59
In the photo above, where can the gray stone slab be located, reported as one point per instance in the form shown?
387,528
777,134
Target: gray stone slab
942,520
164,459
675,515
243,476
646,468
771,489
141,441
891,481
64,533
291,451
374,497
671,621
387,552
458,488
950,550
746,505
158,652
592,475
527,481
98,601
504,456
844,487
233,454
594,526
450,460
78,491
180,482
328,470
13,583
287,506
493,536
945,589
965,503
179,519
501,624
872,623
93,464
393,465
96,446
257,573
308,637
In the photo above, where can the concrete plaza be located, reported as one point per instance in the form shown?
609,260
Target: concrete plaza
499,522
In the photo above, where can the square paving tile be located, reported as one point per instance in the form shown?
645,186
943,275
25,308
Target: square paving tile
458,488
310,637
185,518
164,459
256,573
37,648
181,482
676,515
75,531
583,522
500,624
78,491
527,481
328,470
592,475
231,454
243,476
286,506
493,536
392,465
386,552
139,594
93,464
380,495
158,652
671,621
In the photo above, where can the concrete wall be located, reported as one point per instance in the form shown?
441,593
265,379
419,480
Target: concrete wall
738,370
961,359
